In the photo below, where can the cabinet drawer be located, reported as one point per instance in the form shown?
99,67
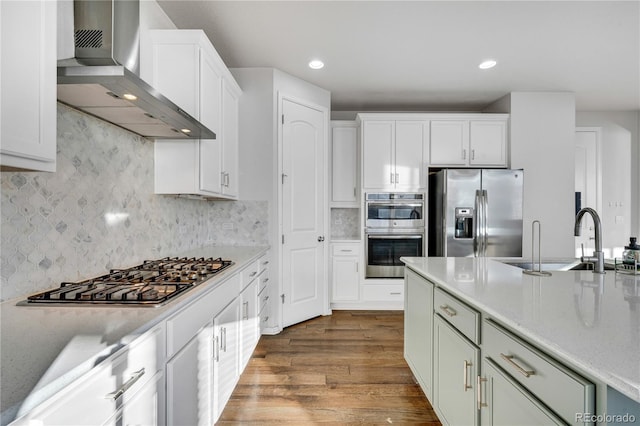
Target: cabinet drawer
95,397
249,273
263,262
458,314
345,249
383,293
182,326
564,391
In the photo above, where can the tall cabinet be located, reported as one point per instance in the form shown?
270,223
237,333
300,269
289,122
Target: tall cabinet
184,66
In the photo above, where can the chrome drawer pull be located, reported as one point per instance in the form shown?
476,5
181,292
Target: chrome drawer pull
134,378
509,359
253,274
448,310
465,384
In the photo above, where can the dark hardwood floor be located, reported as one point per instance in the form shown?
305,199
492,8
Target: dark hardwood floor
347,368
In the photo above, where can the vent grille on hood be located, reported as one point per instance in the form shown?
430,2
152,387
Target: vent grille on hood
102,79
89,39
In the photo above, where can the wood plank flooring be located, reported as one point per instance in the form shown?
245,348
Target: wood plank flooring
347,368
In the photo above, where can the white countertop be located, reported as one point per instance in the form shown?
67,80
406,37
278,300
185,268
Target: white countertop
44,348
589,321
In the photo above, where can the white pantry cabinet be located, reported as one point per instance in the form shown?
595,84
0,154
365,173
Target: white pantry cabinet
28,85
393,152
345,191
184,66
462,140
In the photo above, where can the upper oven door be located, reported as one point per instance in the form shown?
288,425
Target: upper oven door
395,214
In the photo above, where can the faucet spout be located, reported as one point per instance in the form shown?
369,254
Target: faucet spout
598,255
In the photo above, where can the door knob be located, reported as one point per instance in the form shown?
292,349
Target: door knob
320,238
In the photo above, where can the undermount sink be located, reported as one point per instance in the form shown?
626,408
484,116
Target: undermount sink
556,265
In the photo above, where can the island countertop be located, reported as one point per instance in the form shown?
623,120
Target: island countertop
588,321
44,348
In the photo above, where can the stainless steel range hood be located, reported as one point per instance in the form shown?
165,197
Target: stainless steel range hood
102,79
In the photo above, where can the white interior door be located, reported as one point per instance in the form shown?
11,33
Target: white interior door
304,281
587,184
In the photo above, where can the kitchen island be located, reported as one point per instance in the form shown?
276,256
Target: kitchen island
586,322
47,348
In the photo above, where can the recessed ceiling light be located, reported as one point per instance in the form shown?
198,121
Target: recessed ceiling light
489,63
129,97
316,64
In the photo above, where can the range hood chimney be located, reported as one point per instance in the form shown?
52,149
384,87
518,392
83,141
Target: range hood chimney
102,79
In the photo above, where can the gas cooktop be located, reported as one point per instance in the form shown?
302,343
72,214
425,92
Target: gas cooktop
152,283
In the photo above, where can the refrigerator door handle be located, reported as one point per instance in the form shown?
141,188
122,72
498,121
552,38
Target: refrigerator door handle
485,230
477,228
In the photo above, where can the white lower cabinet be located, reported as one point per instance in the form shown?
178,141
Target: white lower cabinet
226,332
455,367
190,381
129,387
345,272
504,402
250,322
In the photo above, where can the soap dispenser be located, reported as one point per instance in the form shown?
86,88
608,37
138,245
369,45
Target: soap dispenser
631,254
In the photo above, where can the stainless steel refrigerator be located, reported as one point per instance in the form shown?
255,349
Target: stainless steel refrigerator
475,212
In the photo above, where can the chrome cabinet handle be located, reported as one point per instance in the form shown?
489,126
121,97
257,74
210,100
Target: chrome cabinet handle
134,378
224,339
245,307
253,274
216,348
391,177
397,177
464,154
448,310
465,384
479,383
473,154
266,262
265,279
519,369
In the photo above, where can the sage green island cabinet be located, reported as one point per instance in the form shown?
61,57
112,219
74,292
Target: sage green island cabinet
456,360
418,329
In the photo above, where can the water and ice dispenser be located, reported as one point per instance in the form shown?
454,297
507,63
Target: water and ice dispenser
464,222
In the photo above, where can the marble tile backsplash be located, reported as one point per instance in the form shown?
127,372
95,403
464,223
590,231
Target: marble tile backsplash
345,224
98,211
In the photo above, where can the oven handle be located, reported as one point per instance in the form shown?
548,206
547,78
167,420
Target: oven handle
394,237
392,203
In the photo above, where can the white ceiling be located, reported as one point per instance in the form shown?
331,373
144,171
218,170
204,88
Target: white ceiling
423,55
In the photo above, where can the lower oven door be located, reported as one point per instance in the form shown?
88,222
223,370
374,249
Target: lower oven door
384,250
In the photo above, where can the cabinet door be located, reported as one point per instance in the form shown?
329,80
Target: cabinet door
190,382
409,154
488,143
250,322
142,408
344,165
377,146
455,368
345,278
505,402
28,85
229,141
210,100
225,375
448,142
418,329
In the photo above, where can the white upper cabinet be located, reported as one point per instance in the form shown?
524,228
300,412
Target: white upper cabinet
184,66
344,164
28,87
469,141
393,153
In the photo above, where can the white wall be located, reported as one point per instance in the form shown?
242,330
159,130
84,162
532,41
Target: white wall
615,124
542,132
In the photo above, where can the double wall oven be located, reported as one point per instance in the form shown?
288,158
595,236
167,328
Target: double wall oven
394,228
